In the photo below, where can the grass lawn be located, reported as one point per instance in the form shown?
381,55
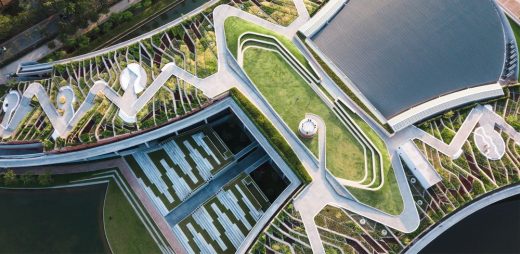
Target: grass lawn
125,231
388,198
516,29
292,98
235,26
345,156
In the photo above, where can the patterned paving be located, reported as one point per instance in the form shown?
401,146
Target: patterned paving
179,166
221,224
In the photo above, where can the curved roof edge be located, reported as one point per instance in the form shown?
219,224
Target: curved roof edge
442,103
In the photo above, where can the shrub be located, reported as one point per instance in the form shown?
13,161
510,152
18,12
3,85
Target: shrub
272,135
51,45
26,178
513,121
146,3
10,177
45,179
105,28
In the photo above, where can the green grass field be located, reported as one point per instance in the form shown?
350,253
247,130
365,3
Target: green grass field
292,97
125,231
516,29
236,26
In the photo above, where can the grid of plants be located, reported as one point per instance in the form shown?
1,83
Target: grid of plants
191,45
285,234
179,166
221,224
174,99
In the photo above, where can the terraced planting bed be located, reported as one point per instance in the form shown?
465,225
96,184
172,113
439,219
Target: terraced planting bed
191,45
292,97
222,222
179,166
285,232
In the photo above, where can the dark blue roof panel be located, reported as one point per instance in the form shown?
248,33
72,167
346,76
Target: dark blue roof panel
400,53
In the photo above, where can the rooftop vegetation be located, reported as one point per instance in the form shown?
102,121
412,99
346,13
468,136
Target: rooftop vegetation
289,94
272,134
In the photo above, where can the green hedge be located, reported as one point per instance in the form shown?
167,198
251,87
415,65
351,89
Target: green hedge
272,135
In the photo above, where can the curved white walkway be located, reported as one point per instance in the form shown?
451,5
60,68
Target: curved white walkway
129,104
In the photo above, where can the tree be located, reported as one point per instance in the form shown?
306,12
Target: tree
26,178
448,114
83,41
105,28
45,178
70,42
126,16
10,177
51,45
6,24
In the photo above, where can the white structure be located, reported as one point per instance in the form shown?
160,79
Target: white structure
308,128
133,81
489,142
419,165
442,103
133,76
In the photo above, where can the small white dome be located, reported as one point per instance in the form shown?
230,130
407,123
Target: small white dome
11,100
133,75
308,127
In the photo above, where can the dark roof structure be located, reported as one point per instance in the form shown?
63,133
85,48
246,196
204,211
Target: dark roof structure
401,53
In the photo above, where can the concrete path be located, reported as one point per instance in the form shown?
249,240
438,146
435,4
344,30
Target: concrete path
129,106
481,115
58,121
303,202
320,192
